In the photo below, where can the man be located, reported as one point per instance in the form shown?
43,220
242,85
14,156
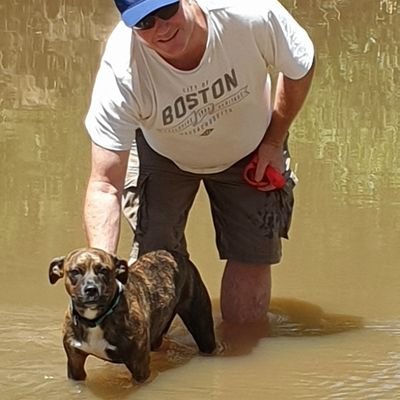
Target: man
186,85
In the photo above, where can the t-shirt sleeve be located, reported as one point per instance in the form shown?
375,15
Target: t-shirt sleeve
285,45
110,121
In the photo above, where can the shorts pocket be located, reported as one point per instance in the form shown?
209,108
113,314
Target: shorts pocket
286,203
275,217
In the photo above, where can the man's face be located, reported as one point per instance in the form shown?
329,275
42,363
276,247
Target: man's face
170,38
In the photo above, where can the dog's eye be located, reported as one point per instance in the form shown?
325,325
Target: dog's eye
74,273
103,271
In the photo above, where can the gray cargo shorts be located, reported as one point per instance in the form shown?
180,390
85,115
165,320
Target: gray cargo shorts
249,224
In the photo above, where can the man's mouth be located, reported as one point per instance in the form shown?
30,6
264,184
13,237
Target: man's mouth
171,37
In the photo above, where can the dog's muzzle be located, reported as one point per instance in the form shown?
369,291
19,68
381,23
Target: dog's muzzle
91,293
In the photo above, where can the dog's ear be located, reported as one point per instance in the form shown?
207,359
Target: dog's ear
121,269
56,269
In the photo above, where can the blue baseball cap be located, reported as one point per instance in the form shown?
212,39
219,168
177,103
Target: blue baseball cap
132,11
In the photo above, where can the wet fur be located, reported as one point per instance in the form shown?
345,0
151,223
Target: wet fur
157,287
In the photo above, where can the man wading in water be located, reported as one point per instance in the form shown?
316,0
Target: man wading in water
183,95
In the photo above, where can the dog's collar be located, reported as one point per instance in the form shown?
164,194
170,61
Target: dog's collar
92,323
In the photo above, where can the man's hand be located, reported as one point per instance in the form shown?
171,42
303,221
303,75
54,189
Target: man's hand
268,155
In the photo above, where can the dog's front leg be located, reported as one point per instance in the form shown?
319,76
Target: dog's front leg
76,363
137,360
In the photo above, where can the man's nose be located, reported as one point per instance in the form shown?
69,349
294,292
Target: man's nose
161,25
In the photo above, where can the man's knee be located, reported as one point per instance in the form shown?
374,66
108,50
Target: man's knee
245,292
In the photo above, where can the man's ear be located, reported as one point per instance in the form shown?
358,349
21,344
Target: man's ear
56,269
121,269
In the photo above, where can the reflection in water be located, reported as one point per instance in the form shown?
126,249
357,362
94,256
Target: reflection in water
38,363
49,52
355,101
291,317
111,381
287,318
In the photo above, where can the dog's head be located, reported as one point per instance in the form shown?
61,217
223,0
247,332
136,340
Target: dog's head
90,276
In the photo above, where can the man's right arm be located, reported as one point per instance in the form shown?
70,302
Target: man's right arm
102,210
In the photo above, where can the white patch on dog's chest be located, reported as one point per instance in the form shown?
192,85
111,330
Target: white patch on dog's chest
95,343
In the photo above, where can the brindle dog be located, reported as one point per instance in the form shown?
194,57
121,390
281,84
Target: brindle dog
120,313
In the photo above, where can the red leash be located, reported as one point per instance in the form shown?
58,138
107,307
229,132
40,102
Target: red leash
271,176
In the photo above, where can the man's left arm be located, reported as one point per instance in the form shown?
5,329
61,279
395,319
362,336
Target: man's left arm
289,99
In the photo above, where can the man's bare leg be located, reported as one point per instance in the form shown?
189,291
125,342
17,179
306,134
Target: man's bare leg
245,292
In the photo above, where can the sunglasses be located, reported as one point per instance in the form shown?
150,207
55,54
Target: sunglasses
163,13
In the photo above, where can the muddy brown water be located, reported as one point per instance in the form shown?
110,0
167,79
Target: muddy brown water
335,318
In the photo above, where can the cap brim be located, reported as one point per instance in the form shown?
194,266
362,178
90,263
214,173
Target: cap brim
134,14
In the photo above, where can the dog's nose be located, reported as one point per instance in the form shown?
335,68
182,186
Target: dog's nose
91,290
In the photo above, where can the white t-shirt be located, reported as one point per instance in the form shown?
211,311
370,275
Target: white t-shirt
207,118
